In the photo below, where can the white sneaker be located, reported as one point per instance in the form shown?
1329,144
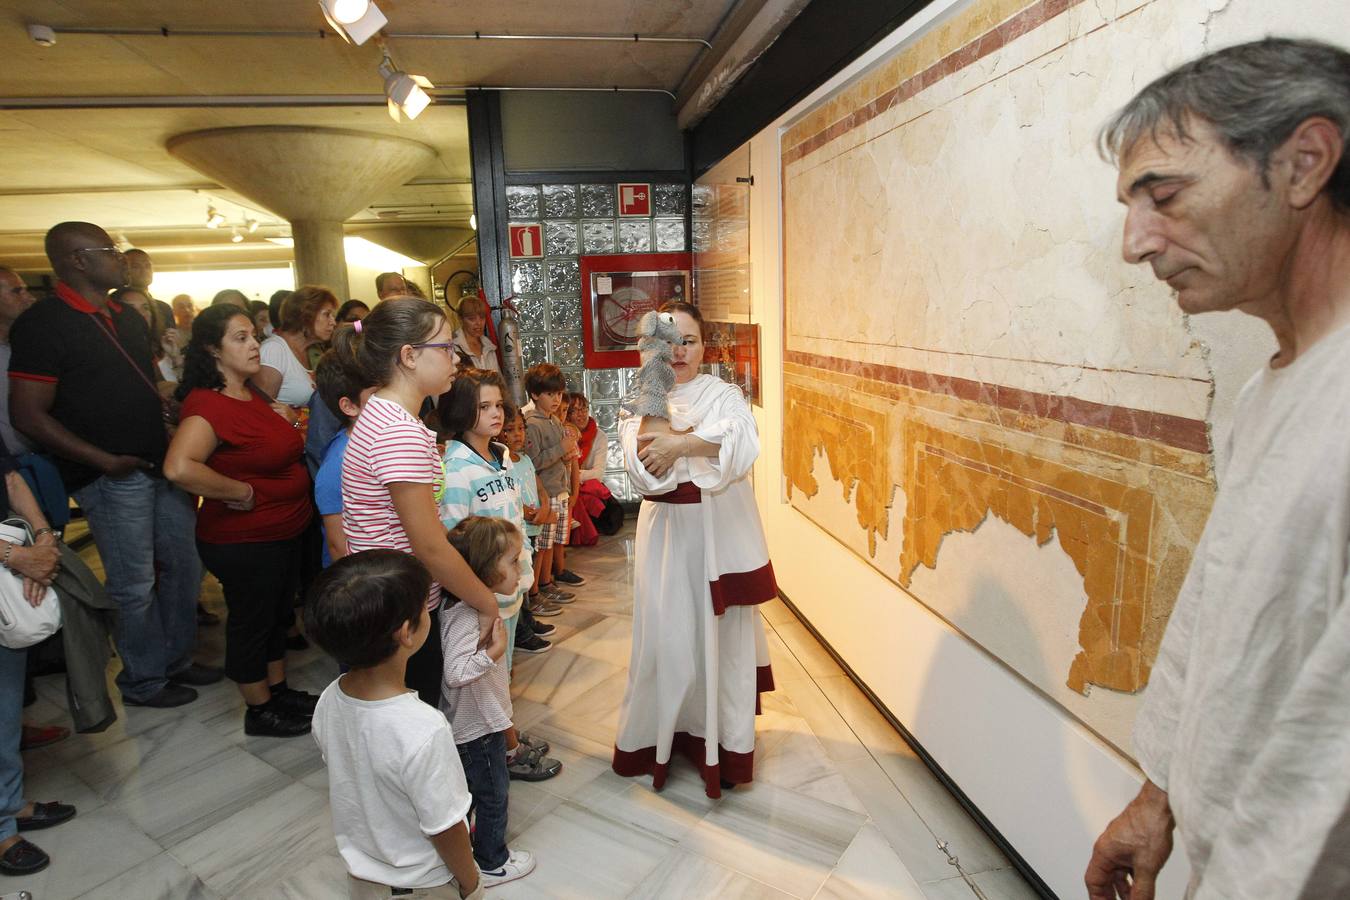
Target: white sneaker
519,864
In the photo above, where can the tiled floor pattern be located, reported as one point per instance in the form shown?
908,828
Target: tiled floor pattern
180,804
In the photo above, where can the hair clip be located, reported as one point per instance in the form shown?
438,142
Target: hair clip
357,326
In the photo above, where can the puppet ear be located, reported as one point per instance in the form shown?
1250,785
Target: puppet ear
668,318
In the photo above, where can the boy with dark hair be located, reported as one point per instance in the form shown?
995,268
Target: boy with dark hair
343,390
395,782
552,451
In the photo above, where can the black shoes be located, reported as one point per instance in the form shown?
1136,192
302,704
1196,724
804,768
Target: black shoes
543,629
169,696
295,703
569,578
272,721
45,815
23,859
198,675
532,644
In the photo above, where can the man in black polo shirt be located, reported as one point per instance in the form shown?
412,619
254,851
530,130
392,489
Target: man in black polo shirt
82,387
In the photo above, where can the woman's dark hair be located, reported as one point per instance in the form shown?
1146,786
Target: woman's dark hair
391,326
208,333
345,310
230,297
357,603
689,309
274,305
302,308
458,407
154,323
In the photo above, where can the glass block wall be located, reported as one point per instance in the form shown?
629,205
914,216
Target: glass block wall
583,219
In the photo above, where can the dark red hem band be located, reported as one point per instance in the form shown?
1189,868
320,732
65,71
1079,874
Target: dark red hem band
743,588
737,768
24,376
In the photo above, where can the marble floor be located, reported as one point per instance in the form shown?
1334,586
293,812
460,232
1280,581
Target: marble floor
180,804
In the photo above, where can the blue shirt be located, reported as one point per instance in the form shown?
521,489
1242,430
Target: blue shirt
478,487
529,491
328,483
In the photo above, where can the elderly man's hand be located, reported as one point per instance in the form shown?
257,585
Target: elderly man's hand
1131,851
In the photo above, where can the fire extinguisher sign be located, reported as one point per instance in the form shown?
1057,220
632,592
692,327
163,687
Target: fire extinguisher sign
527,241
635,199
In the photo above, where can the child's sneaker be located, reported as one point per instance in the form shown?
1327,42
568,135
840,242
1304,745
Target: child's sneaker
538,745
543,608
569,578
532,644
554,594
531,765
519,864
543,629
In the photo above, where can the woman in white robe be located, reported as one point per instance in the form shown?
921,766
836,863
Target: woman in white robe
699,657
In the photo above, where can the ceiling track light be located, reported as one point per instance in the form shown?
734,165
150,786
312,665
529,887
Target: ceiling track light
407,94
213,217
235,236
250,225
355,21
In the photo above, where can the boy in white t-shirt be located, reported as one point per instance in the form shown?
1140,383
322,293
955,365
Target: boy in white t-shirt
395,782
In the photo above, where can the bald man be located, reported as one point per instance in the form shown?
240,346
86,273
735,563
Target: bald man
82,387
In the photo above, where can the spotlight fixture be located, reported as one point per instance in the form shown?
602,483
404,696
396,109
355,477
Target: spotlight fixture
213,217
407,94
250,225
235,236
355,21
42,35
473,221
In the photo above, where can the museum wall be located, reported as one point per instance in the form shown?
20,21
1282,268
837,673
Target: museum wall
989,443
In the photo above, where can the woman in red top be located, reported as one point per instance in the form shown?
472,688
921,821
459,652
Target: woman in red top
247,462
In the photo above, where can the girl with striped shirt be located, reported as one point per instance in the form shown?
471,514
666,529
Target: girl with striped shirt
391,470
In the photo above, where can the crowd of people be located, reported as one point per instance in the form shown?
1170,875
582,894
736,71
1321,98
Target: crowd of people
368,458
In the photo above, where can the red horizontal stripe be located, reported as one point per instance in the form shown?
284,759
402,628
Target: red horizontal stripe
1175,431
28,376
743,588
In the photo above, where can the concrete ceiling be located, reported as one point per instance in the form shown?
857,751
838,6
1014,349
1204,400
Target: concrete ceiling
109,165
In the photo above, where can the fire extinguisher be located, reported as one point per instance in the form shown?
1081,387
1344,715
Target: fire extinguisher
513,364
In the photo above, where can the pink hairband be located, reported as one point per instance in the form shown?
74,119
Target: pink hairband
357,325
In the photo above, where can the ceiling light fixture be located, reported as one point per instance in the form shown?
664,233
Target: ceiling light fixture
250,225
235,236
407,94
473,221
213,217
352,27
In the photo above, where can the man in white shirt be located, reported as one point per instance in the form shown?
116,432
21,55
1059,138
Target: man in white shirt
1236,182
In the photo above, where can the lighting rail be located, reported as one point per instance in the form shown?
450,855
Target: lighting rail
166,31
445,95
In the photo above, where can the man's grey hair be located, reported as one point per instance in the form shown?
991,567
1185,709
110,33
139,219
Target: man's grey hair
1254,95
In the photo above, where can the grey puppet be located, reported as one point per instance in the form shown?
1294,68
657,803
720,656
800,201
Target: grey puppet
657,336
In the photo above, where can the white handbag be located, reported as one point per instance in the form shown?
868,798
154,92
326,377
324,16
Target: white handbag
21,624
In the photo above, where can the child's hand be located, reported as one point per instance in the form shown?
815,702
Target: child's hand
496,647
529,512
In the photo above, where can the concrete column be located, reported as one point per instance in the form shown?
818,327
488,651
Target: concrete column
319,255
315,178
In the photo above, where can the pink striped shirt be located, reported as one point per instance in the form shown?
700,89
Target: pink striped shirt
387,445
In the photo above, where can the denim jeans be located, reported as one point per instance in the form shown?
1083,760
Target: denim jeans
143,528
484,761
11,725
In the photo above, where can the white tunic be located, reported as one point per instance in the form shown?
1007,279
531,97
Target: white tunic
1246,719
699,655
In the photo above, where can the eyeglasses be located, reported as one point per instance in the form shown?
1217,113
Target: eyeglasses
442,345
113,250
